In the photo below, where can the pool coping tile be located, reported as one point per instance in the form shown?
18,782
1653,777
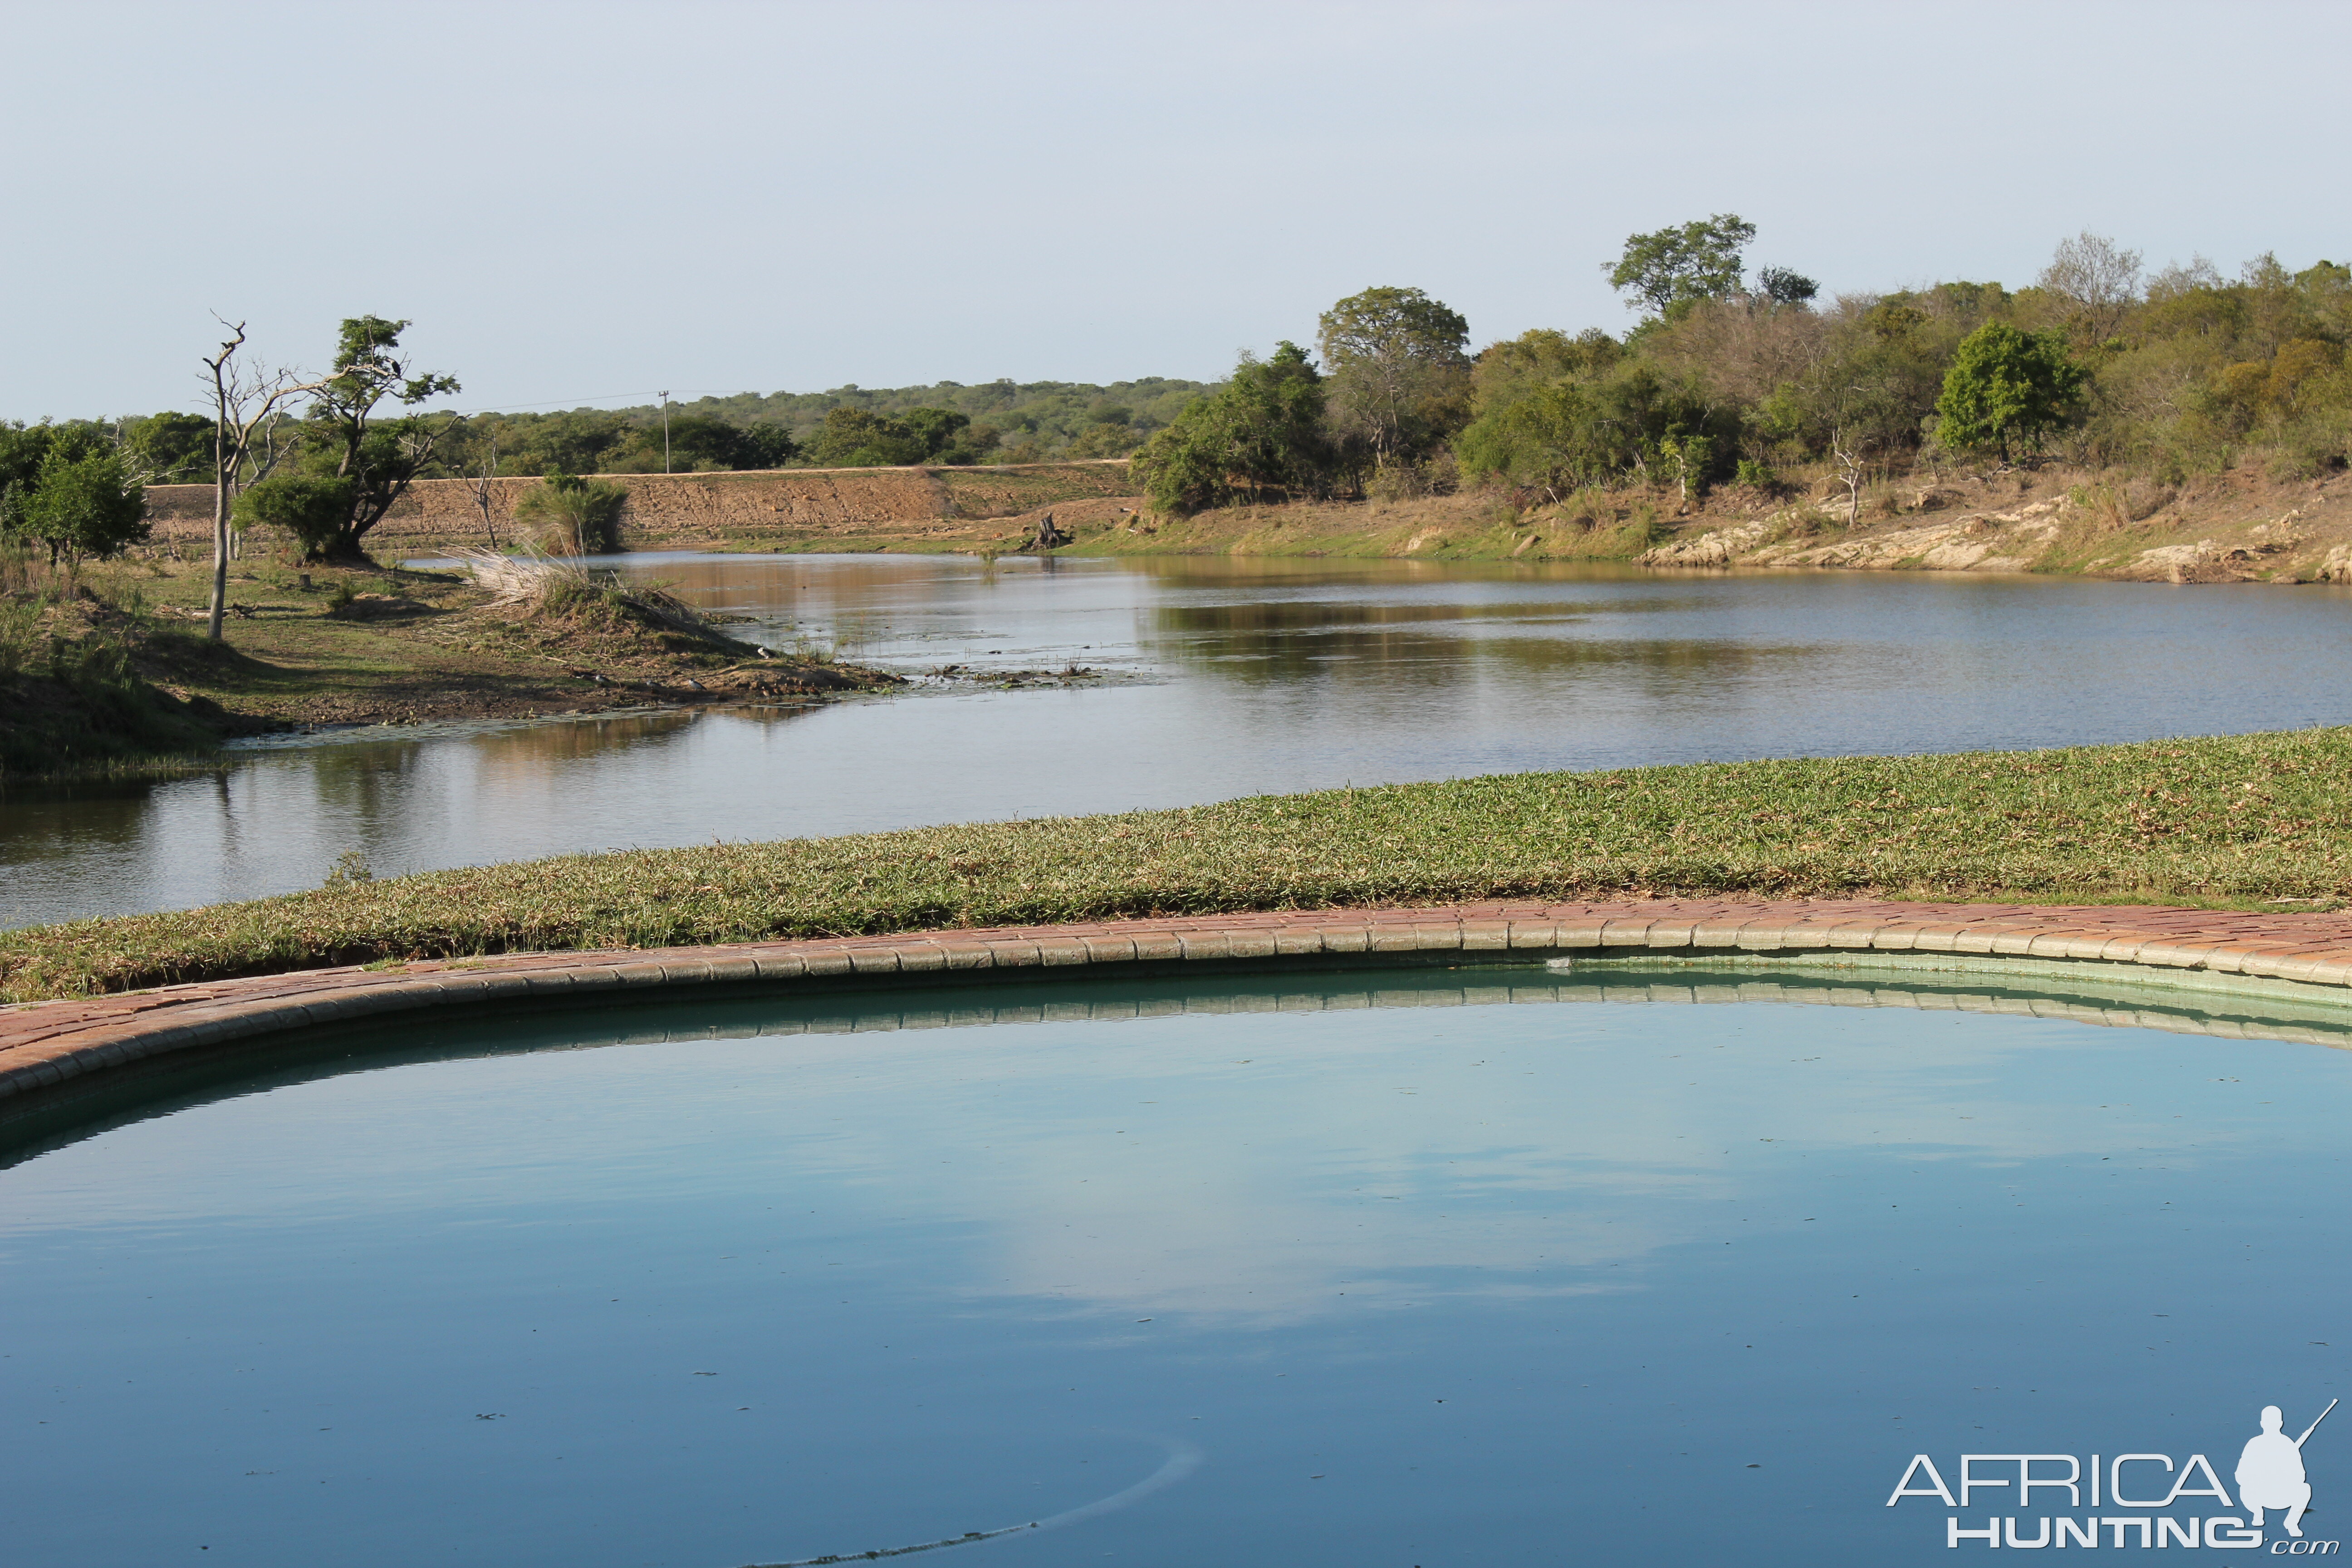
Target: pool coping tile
45,1043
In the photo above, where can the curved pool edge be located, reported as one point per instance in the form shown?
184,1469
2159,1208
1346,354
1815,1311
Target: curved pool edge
2307,958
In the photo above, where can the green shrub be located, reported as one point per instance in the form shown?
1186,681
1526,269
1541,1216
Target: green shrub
1261,432
571,516
82,506
313,510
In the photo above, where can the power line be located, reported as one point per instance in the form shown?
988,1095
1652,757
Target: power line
650,398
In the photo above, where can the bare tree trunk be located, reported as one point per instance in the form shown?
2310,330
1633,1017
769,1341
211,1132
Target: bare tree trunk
244,401
228,452
220,555
482,492
1849,460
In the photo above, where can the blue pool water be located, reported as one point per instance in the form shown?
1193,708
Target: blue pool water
1461,1268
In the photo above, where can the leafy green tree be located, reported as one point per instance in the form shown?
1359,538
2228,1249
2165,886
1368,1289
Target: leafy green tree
27,449
174,448
1596,429
1395,374
972,443
700,441
765,444
1864,385
1104,438
313,508
574,441
1698,260
380,454
23,448
89,505
2008,385
936,428
1782,286
855,439
860,438
1261,431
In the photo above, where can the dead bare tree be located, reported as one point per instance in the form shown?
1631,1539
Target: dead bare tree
2099,277
248,403
481,485
1853,467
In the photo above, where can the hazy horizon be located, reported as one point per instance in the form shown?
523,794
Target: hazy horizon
587,204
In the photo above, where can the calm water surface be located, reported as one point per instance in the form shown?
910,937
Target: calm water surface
1224,678
1468,1270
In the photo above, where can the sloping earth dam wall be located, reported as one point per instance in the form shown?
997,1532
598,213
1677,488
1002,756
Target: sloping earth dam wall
787,505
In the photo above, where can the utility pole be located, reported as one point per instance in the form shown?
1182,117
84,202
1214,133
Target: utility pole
665,397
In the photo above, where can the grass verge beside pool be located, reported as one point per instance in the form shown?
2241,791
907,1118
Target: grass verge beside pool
2243,821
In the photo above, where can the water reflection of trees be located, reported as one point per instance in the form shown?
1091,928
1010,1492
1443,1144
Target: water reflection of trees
850,605
361,776
1355,643
783,583
1264,571
57,821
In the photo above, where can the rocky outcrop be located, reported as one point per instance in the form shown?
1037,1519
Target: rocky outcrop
1980,541
1717,547
2064,532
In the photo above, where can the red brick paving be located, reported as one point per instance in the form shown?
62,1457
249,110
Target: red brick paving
47,1043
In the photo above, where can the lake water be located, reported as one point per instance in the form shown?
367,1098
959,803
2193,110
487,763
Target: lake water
1480,1268
1222,677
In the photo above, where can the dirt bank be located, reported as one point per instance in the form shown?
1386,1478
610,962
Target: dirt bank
2234,527
793,509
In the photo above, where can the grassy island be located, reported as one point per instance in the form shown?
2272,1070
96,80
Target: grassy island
105,666
2241,821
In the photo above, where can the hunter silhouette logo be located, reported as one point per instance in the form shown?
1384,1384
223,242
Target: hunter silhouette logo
2270,1472
2270,1476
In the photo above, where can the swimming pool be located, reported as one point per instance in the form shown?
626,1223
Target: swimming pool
1453,1266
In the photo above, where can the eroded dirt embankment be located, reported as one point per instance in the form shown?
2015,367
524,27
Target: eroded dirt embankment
793,508
2234,527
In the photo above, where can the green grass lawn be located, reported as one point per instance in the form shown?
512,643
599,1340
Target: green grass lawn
2234,822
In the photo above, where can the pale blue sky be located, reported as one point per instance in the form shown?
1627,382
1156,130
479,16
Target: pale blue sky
590,202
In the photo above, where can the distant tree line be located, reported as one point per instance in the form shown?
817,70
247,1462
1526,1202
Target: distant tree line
1726,377
850,426
326,469
1730,377
325,460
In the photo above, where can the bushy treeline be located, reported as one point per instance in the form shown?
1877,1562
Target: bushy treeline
1032,420
1002,421
1727,378
850,426
329,464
